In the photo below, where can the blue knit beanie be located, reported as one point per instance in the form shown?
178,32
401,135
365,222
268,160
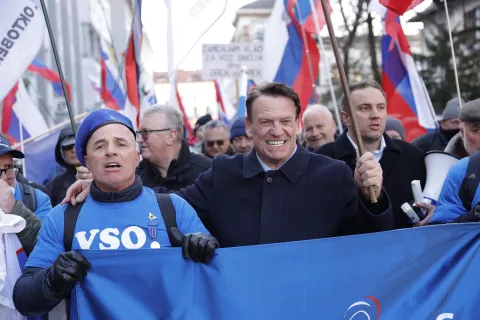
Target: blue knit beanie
238,129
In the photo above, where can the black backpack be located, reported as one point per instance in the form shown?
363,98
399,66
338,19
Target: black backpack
470,182
29,196
166,208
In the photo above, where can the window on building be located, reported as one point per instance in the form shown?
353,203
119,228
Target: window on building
91,42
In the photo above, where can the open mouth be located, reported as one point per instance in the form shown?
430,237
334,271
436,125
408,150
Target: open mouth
276,143
112,165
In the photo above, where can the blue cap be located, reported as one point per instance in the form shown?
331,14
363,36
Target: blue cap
5,147
238,129
95,120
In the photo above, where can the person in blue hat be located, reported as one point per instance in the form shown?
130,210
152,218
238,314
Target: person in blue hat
241,142
33,198
120,213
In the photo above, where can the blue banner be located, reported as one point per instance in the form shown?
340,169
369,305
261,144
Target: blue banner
421,273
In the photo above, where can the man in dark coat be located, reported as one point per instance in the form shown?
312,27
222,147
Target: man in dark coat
401,162
167,160
65,156
279,191
449,127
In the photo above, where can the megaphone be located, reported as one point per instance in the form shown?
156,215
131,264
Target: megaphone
438,163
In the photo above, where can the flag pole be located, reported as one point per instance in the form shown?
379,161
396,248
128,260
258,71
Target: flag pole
355,132
59,67
453,54
327,66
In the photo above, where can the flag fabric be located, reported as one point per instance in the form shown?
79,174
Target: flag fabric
250,85
37,66
285,58
22,28
40,158
188,128
226,112
417,273
132,64
400,6
407,96
112,90
20,111
242,96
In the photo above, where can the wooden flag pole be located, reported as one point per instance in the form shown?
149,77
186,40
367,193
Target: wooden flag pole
346,90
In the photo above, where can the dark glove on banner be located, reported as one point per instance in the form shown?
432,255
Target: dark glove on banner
198,247
68,269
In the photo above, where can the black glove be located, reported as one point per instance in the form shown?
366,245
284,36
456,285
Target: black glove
196,246
69,268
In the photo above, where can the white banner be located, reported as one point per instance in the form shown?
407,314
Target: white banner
22,28
225,61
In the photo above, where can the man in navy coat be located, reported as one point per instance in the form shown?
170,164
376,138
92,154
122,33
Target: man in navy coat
279,191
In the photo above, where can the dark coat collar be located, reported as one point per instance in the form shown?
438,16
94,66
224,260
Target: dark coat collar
129,194
292,169
176,166
344,148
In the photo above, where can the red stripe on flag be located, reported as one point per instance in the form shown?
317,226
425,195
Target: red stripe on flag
185,119
131,77
7,111
397,107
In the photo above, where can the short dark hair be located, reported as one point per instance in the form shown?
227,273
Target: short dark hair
364,84
273,89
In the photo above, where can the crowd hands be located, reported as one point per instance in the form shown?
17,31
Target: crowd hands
219,171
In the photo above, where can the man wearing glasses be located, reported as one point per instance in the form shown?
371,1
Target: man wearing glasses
32,198
167,160
216,139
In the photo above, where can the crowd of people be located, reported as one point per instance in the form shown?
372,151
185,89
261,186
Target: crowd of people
257,181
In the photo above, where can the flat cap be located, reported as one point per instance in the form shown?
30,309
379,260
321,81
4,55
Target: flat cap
94,121
470,111
452,109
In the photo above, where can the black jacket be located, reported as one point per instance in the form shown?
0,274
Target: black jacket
401,163
436,140
181,173
309,197
59,185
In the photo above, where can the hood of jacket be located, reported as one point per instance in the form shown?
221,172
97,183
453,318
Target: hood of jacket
58,152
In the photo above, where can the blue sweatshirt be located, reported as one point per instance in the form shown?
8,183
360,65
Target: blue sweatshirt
449,205
107,221
43,202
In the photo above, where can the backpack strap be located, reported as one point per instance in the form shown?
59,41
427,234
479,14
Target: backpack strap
29,196
169,216
69,223
470,182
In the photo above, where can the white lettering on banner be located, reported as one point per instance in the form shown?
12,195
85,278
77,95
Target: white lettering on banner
7,42
110,238
445,316
226,61
107,236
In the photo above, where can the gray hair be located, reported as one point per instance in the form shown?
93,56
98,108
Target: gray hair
172,115
216,124
317,107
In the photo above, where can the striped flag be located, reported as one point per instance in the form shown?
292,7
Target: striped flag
40,68
400,6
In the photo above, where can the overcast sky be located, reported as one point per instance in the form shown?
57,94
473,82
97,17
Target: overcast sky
189,24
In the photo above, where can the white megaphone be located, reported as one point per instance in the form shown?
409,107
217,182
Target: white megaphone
438,163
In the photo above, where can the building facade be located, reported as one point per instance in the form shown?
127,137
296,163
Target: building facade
78,26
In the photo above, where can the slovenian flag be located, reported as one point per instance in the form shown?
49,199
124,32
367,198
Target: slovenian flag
400,6
40,68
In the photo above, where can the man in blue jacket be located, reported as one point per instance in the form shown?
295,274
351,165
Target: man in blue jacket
279,191
34,199
120,213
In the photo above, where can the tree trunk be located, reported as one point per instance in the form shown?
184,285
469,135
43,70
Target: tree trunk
373,50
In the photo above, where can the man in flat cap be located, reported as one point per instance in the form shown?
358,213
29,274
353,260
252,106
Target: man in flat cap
467,141
120,213
459,197
449,127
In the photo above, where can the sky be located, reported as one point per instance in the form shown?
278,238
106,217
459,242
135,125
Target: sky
191,18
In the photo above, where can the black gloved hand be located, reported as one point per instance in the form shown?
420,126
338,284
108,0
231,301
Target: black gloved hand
69,268
196,246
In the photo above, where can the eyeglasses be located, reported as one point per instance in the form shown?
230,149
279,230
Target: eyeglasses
144,133
10,172
215,142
